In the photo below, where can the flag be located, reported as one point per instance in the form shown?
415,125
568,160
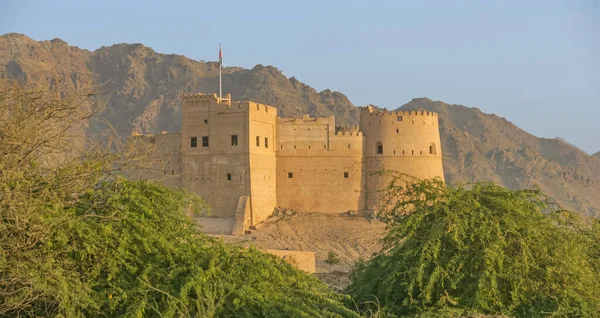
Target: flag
220,55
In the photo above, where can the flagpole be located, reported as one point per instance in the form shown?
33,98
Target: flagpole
220,66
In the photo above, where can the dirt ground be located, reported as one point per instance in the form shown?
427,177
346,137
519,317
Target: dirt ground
347,237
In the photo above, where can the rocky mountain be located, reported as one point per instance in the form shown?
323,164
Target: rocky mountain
144,87
597,154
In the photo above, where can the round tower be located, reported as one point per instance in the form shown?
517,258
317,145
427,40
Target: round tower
403,141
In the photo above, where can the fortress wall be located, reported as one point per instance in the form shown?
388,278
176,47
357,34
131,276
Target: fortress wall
158,158
411,145
220,172
262,163
168,157
317,184
347,144
304,136
317,156
316,137
426,167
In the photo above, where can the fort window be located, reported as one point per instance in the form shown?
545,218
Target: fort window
394,152
290,175
432,149
379,148
308,147
234,140
281,146
402,151
413,122
294,146
206,121
421,152
348,146
193,142
229,177
257,107
266,142
324,146
172,172
397,131
346,175
412,152
399,118
204,141
257,141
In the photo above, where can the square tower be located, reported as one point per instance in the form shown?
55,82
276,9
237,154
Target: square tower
226,149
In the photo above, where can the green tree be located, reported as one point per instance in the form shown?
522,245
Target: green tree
485,249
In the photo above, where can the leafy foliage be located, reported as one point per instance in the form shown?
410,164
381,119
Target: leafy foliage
483,249
160,264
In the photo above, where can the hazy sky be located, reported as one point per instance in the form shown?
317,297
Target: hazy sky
537,63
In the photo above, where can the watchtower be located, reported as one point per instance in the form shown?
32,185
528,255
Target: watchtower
403,141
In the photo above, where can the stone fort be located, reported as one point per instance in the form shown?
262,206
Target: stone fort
245,161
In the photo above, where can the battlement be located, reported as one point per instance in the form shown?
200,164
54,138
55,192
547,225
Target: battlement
211,98
306,119
348,131
258,108
199,97
385,113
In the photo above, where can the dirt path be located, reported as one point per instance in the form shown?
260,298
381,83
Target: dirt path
348,237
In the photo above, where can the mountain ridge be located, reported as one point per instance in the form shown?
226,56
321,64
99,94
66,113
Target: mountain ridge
146,88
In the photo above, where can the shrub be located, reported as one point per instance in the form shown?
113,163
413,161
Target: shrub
333,258
481,249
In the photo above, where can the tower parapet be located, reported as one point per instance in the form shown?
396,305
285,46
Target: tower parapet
200,99
400,133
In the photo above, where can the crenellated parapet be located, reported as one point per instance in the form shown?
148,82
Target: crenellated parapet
306,119
394,114
200,99
348,131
